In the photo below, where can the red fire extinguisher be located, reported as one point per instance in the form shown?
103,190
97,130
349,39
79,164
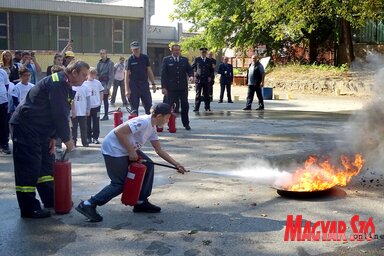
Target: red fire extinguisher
132,115
117,117
159,129
172,121
133,183
62,188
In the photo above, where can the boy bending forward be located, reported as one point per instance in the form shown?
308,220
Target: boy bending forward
121,146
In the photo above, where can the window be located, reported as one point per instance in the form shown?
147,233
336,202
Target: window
118,36
3,30
63,31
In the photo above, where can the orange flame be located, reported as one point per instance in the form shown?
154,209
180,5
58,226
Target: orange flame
315,175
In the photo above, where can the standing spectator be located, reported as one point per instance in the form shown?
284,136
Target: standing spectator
119,82
106,76
57,61
203,69
9,66
42,117
138,70
80,112
21,89
28,60
212,82
4,128
17,58
96,89
175,71
255,79
69,56
226,72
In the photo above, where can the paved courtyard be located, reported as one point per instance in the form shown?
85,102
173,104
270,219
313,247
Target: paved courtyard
225,205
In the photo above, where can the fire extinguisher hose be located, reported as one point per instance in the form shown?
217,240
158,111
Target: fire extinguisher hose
164,165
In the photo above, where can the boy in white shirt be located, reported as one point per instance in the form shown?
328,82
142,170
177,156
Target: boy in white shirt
80,112
21,88
93,121
121,146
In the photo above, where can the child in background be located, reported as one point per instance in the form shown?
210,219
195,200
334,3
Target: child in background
21,88
93,121
80,111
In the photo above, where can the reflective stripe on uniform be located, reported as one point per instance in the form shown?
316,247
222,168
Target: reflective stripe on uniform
55,77
45,179
25,189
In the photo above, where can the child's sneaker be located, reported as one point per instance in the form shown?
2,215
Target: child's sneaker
89,211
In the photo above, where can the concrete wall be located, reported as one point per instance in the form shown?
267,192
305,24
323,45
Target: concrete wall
349,85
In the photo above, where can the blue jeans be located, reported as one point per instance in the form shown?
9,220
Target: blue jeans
117,169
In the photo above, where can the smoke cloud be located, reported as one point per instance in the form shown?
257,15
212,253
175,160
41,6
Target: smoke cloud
366,127
259,171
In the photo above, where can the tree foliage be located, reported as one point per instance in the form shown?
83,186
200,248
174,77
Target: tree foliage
244,23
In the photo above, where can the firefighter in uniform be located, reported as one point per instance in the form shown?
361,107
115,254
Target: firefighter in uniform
138,71
174,81
34,126
203,69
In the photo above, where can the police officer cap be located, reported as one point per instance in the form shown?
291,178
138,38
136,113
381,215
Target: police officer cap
162,109
135,45
203,49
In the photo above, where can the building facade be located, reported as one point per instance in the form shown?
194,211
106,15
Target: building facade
46,26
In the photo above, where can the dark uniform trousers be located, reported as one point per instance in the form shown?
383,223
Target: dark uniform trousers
140,90
174,96
33,166
202,87
203,71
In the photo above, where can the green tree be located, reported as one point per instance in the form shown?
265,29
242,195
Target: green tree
244,23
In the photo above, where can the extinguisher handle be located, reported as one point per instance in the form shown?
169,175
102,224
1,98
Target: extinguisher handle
64,155
139,160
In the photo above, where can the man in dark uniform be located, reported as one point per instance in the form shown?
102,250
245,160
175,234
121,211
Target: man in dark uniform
174,81
35,124
203,69
255,80
138,70
210,56
226,77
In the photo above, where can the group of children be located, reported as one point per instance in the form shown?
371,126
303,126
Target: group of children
85,111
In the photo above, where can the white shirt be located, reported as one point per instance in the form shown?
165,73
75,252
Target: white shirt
119,71
95,87
80,100
21,90
142,131
4,80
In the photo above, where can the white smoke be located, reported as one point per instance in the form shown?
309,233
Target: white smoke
366,127
259,171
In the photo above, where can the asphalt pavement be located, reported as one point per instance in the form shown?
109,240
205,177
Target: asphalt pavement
223,206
